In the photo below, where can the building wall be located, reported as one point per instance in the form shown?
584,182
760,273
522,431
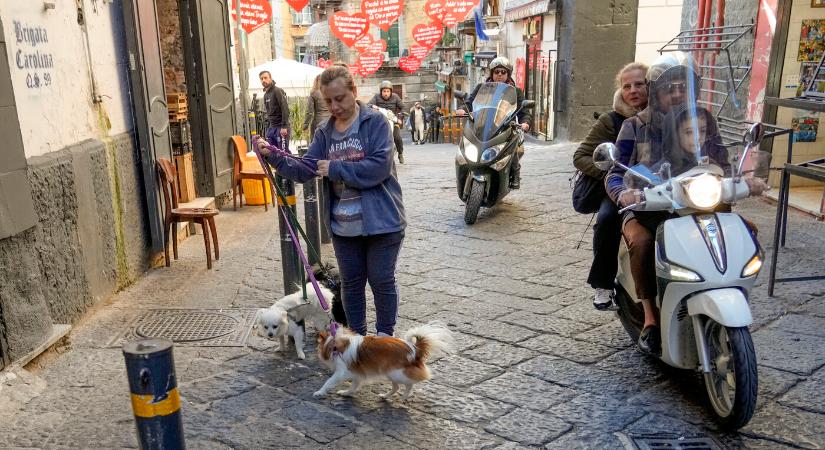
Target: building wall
659,22
90,238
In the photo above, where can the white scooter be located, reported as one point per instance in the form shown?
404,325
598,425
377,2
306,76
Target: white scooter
706,265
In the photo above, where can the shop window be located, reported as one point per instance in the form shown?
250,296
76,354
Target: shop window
302,18
391,37
300,52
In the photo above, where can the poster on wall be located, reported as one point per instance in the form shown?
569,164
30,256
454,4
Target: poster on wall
817,3
811,40
805,128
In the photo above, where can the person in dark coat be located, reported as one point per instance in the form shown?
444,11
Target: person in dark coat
277,112
630,98
317,111
386,99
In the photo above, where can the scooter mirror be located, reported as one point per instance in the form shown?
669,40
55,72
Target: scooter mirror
461,95
528,104
605,155
753,135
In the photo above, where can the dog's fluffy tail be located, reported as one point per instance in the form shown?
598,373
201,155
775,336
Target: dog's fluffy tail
428,339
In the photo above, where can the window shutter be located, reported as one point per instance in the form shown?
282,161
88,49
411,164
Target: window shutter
391,37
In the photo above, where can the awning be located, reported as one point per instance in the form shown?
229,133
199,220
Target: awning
519,9
317,35
441,86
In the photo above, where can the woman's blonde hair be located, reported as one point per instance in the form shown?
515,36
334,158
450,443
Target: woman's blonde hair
635,65
316,84
334,72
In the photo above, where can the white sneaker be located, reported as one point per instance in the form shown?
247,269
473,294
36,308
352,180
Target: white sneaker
603,299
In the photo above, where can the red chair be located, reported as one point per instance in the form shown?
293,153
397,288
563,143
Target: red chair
251,172
172,215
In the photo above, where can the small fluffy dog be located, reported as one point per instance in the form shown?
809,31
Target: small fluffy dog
287,317
359,358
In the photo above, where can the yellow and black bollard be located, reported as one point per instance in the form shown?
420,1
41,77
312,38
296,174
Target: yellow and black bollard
155,398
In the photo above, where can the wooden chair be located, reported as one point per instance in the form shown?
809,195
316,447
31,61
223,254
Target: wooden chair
172,215
251,172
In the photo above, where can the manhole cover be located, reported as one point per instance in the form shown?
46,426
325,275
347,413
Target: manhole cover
191,327
188,326
662,441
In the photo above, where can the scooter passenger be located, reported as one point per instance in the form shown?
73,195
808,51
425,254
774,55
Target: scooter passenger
671,129
501,71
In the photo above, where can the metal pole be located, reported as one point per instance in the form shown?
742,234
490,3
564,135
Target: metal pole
243,74
150,368
323,212
289,258
311,219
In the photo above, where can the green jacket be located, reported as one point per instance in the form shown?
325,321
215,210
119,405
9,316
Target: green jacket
602,131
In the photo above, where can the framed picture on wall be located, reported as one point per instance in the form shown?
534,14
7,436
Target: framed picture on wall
812,39
817,3
805,128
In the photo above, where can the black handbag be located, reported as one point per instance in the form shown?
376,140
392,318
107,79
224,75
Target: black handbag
588,193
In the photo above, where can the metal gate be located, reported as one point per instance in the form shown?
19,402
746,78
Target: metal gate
148,101
206,34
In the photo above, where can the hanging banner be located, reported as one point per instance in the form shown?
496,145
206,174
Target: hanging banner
349,27
324,63
369,44
434,9
428,35
419,51
354,69
409,64
369,63
254,14
297,5
456,11
383,13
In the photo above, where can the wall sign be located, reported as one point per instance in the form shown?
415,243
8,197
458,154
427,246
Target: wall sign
254,14
33,58
383,13
349,27
428,35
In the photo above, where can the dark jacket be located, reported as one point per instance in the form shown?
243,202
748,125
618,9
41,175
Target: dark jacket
393,103
604,130
374,176
277,109
317,112
523,115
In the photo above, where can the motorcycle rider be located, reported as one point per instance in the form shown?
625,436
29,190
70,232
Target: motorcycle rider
386,99
673,87
501,71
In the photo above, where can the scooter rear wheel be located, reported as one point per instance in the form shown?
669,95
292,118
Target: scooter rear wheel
473,202
631,314
732,383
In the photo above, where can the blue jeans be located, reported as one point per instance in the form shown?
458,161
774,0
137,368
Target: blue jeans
369,258
273,136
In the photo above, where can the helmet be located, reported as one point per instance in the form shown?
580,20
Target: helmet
501,61
669,67
386,84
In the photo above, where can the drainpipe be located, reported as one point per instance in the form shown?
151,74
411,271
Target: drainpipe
84,29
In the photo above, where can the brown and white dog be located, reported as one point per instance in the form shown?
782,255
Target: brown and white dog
359,358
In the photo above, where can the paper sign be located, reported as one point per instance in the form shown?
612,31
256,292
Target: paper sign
456,11
419,51
254,14
369,44
349,27
427,35
354,68
383,13
324,63
369,63
298,5
409,64
434,9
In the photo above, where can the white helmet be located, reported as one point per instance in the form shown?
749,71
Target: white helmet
501,61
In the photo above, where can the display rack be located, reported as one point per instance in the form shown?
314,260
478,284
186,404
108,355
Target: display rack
812,98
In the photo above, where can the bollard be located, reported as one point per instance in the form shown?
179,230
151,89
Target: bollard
155,398
311,223
289,258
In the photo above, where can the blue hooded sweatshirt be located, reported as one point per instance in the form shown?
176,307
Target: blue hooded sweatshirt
374,176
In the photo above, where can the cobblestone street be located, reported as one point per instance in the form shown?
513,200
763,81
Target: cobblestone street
535,366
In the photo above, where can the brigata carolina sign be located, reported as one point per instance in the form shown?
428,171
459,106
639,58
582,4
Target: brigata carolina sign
33,57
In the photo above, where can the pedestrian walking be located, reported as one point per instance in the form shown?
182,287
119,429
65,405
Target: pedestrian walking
353,150
317,111
277,111
630,98
417,122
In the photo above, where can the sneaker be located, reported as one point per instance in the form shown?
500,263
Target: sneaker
603,299
515,183
401,158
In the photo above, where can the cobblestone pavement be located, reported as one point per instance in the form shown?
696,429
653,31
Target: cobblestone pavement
536,365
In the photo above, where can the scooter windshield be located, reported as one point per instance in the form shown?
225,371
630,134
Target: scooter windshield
493,104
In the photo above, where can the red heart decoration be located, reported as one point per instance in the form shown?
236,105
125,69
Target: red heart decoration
428,35
254,14
354,68
369,63
324,63
434,9
383,13
418,51
409,64
349,27
298,5
456,11
368,44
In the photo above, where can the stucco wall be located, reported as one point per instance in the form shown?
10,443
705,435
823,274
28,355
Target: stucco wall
659,22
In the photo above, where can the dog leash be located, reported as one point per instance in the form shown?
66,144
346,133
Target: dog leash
333,327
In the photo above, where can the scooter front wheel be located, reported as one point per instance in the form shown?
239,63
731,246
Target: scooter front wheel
732,382
473,202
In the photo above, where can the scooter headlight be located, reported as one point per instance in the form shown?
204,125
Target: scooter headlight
470,150
752,267
704,191
491,153
672,271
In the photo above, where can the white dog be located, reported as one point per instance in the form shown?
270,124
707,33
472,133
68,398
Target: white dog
287,317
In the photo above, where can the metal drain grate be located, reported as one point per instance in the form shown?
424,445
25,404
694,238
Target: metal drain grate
668,441
191,327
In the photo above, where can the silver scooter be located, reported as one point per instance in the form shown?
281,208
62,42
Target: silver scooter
706,265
